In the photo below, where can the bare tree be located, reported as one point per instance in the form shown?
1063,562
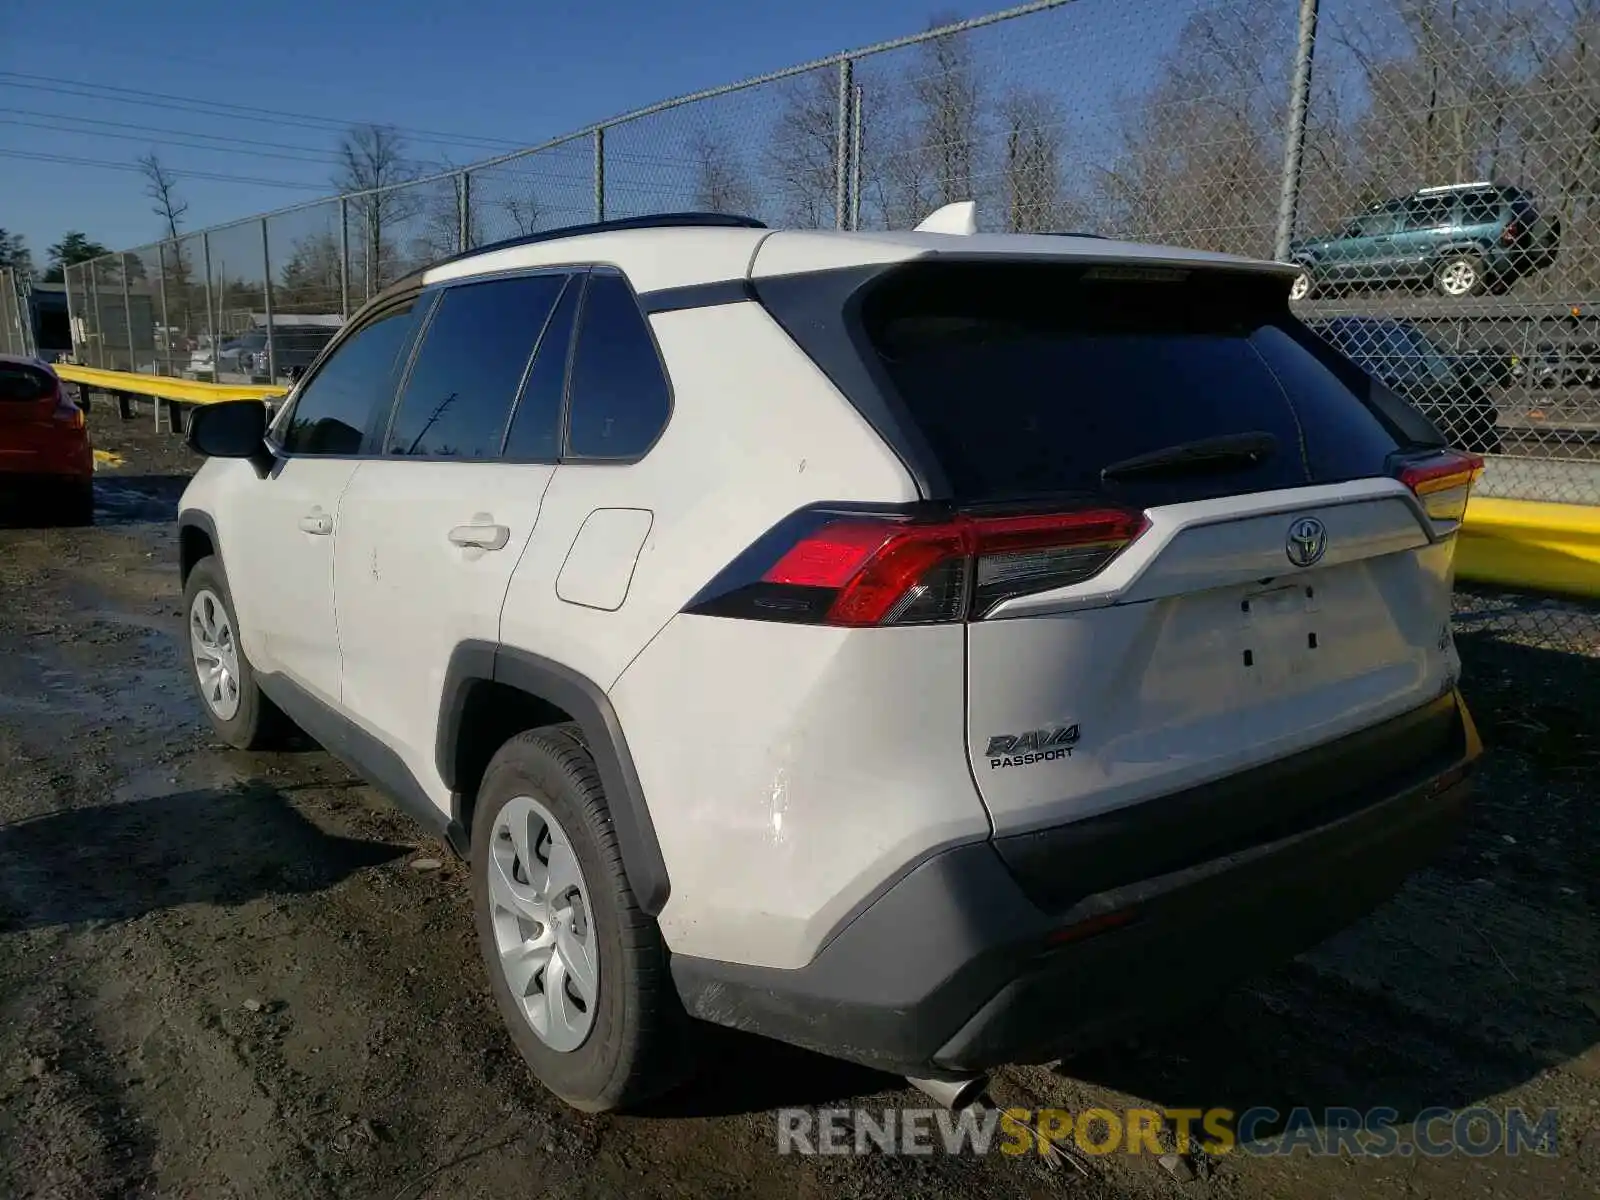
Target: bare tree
161,187
309,280
525,212
802,157
924,151
373,161
1031,177
440,206
721,182
946,93
1200,152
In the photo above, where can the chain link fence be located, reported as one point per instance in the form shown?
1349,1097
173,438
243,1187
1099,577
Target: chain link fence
1432,165
16,321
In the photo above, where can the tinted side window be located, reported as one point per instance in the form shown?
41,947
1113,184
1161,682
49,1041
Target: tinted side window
19,381
1376,224
1480,208
535,432
1428,212
619,398
469,367
333,409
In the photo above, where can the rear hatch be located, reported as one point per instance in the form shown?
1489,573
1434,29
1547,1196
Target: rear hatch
1192,533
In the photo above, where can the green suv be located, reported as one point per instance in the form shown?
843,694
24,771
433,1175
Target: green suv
1463,239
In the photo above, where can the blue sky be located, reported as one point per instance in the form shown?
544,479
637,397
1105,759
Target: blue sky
489,74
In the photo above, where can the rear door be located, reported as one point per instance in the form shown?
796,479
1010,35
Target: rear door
1368,251
431,528
1426,226
1259,582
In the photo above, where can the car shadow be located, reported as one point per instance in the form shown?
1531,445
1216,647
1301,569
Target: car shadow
1477,978
739,1073
118,862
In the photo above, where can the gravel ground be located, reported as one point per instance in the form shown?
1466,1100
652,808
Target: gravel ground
222,975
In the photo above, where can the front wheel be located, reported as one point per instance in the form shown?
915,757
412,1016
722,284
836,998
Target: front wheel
241,715
1303,285
578,972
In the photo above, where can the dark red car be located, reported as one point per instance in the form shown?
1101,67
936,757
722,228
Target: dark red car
46,465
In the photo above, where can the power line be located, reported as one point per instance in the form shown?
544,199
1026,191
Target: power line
326,160
111,165
100,91
189,133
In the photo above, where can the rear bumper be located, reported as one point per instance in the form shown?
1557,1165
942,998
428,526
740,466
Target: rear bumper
29,485
987,954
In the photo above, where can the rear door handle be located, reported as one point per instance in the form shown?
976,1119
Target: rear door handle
319,523
480,537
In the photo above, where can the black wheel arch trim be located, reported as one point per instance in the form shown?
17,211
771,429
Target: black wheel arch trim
474,662
194,518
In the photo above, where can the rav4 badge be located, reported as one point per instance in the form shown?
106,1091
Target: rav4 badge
1034,746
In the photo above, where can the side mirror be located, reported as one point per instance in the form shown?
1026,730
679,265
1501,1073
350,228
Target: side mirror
232,429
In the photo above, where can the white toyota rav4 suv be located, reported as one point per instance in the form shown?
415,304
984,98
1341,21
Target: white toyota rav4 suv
934,649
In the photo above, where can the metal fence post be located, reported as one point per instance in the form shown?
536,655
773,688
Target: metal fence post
72,315
211,327
10,316
30,334
600,173
1294,140
841,146
855,158
94,303
374,240
344,258
464,211
266,301
164,344
127,311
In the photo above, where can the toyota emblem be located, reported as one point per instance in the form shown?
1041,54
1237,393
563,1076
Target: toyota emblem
1308,540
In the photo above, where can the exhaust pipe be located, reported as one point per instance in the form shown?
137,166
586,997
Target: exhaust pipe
953,1094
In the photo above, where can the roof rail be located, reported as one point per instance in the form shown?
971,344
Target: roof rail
669,220
1453,187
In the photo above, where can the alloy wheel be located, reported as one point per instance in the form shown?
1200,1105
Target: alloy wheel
216,653
544,934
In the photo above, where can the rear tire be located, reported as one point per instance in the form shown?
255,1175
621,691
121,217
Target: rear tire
611,1032
239,712
1459,276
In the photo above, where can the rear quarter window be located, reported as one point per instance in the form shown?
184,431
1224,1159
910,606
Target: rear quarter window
22,383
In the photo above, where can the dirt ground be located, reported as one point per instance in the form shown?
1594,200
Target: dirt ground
222,974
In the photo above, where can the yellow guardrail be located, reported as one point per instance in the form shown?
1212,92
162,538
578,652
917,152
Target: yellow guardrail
1531,546
183,391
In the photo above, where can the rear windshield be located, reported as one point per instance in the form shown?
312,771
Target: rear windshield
18,381
1027,380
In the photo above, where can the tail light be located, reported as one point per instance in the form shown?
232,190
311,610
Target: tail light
1510,233
857,569
1443,483
66,412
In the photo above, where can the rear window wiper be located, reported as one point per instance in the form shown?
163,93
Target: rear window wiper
1197,457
